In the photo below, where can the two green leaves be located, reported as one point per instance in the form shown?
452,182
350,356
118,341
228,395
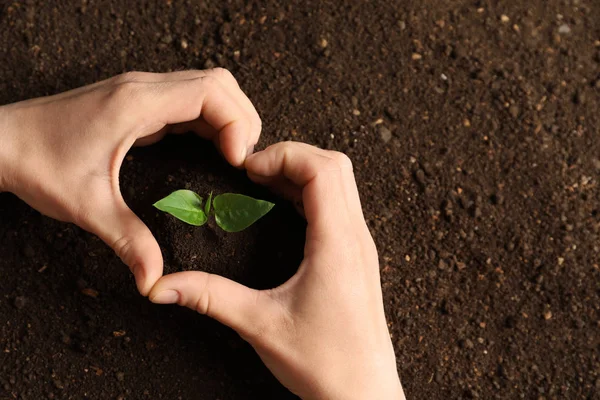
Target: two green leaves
233,212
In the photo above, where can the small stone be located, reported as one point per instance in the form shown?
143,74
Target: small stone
514,111
402,25
461,265
183,44
90,292
442,265
323,43
209,64
561,260
504,18
416,56
167,39
564,29
356,112
467,123
420,176
385,133
547,315
468,344
20,302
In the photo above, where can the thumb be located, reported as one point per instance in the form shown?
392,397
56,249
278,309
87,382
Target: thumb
133,242
229,302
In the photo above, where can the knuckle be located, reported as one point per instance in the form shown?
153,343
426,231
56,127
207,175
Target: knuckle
130,76
329,165
341,159
203,301
124,91
208,81
224,74
202,305
122,248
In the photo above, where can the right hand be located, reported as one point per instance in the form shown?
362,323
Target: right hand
323,333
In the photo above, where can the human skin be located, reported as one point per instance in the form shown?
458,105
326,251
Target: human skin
323,334
62,154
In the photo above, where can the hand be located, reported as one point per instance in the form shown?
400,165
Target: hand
323,333
62,154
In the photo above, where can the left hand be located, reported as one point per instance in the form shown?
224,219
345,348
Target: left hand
62,154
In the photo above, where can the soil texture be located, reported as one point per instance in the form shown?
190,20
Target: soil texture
473,126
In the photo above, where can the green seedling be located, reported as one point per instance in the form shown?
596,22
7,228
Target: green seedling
233,212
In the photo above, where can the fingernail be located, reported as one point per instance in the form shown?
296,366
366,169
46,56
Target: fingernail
244,152
166,297
250,151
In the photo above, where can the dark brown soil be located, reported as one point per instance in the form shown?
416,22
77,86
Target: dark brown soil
475,143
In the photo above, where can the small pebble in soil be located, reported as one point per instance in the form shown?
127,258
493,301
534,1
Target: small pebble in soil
385,134
20,302
93,293
420,176
564,29
547,315
504,18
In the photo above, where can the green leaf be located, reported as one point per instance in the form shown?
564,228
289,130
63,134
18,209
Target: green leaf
184,205
207,205
236,212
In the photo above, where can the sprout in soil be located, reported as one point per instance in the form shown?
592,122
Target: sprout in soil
233,212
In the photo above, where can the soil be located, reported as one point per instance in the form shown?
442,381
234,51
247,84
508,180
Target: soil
473,127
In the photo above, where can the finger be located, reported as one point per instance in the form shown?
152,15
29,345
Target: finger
283,187
131,240
329,192
187,100
222,75
229,302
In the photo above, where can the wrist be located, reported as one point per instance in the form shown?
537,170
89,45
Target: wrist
7,147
